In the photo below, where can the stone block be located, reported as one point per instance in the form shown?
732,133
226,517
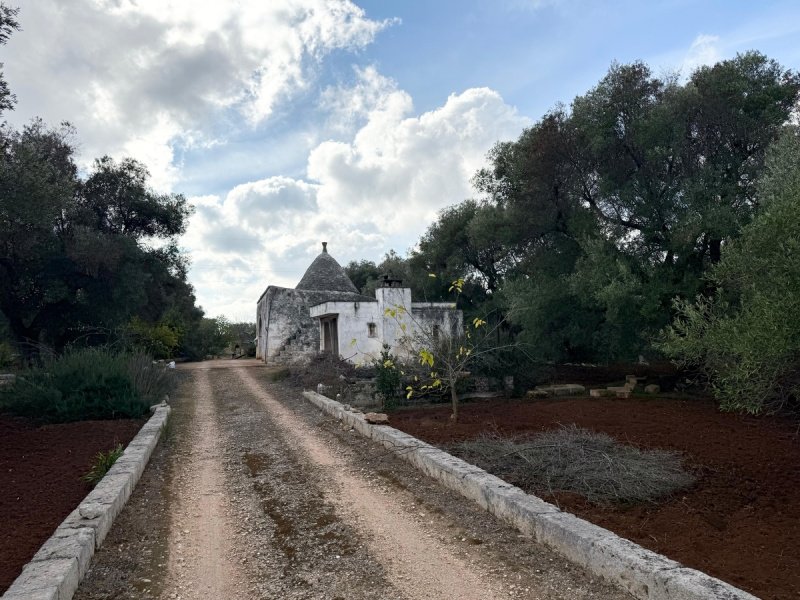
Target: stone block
600,392
652,388
376,418
69,543
49,593
537,394
39,579
565,389
689,584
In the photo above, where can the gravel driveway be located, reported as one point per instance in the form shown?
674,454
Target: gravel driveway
255,494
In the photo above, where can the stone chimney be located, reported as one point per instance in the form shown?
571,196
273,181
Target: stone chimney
325,247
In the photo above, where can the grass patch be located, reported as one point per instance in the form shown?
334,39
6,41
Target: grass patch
103,461
87,383
571,459
279,375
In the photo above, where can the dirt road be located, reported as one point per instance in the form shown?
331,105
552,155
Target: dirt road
254,494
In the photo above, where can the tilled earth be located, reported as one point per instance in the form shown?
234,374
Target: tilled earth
255,494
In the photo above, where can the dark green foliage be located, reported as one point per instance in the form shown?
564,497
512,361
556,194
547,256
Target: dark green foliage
84,384
366,276
116,199
71,260
242,335
745,335
601,213
208,337
8,24
103,461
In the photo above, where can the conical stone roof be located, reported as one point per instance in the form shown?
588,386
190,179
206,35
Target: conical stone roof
325,274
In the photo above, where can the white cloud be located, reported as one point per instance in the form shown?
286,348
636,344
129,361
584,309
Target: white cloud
400,170
703,51
139,76
380,190
349,106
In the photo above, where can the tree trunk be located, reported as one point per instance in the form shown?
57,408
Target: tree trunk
454,400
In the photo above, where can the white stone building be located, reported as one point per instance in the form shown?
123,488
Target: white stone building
326,313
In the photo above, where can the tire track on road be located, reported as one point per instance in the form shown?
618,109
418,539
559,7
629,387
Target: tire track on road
417,564
200,542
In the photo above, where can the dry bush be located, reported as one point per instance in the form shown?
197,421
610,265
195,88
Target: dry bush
323,368
571,459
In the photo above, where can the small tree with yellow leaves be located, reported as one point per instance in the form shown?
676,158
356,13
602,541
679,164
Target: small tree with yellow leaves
444,358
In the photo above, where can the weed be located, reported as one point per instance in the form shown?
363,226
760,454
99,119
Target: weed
103,461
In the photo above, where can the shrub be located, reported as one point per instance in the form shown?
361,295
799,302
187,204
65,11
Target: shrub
326,369
745,337
387,378
160,339
103,461
571,459
89,383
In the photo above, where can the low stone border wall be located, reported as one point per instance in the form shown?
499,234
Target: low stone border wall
58,567
643,573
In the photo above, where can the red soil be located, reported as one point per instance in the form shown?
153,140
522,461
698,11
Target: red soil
739,522
40,480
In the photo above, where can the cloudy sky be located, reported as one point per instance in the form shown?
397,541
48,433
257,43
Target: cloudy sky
289,122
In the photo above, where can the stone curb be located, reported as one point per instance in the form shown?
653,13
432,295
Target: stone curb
57,568
641,572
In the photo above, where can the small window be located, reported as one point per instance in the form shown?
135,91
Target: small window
372,330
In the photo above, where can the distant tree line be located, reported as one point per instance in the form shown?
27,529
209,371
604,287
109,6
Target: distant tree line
595,234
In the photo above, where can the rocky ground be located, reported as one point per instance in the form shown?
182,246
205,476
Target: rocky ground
255,494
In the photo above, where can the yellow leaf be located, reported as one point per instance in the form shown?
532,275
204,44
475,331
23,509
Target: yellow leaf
425,358
457,285
432,275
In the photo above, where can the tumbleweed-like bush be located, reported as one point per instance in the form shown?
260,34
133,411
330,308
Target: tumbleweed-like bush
571,459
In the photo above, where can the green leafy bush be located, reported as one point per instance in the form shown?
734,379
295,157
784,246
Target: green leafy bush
160,339
103,461
745,338
88,383
387,378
